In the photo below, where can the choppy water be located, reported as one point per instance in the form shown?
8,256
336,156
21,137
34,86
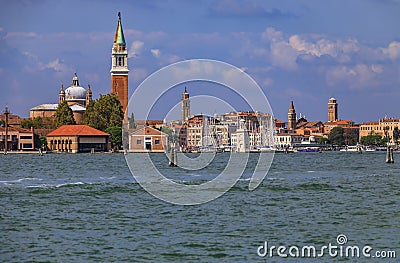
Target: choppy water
87,208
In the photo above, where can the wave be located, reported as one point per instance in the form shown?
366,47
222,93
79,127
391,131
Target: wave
55,185
21,179
68,184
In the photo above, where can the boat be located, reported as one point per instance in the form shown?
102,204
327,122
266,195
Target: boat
370,149
266,149
308,150
353,148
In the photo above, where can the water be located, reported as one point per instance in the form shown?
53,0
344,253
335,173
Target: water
87,208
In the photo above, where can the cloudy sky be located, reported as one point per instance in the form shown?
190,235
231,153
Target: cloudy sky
304,50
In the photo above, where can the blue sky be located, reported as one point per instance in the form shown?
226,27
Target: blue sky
305,50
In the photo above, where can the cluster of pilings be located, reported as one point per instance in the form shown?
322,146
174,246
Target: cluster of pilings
389,154
173,160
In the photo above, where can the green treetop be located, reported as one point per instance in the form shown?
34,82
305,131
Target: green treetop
64,115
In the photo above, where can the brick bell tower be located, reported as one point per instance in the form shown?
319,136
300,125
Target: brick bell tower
119,66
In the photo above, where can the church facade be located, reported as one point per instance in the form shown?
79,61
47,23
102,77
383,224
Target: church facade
77,97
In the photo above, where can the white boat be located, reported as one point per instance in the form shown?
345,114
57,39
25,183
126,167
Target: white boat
353,148
370,149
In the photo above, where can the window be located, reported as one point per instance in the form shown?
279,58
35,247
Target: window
157,142
27,146
25,137
138,141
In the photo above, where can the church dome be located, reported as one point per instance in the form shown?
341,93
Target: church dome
75,92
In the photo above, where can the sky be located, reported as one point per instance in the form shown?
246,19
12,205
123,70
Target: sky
305,50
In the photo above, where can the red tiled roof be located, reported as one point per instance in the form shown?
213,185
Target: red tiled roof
77,130
370,123
339,122
279,121
15,129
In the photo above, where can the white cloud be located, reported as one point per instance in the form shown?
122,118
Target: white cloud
156,53
393,50
21,35
319,45
173,58
135,48
55,65
271,34
283,55
359,76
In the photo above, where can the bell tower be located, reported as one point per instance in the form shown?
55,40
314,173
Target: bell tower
185,106
119,66
292,117
332,110
61,94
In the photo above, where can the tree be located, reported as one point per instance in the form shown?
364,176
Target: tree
336,136
104,112
371,139
172,136
116,136
323,140
350,136
64,115
38,123
90,117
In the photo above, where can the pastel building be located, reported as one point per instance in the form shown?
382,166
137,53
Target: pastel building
148,139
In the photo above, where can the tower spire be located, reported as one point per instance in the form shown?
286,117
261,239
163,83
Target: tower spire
119,38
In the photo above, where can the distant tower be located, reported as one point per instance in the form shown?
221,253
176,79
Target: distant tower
61,94
88,95
185,106
291,117
332,110
119,66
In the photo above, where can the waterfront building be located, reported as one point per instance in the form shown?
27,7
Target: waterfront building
379,127
77,98
241,142
78,138
181,132
119,66
309,128
332,110
18,139
148,139
280,126
292,117
260,126
196,131
286,140
185,107
328,126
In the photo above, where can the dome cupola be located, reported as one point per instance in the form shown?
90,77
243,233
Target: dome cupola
75,92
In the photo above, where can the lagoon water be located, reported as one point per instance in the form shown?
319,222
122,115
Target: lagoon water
88,208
